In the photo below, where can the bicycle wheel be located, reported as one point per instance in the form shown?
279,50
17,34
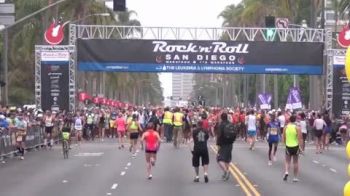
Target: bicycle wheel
65,149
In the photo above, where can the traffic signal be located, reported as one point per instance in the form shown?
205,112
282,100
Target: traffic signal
270,25
119,5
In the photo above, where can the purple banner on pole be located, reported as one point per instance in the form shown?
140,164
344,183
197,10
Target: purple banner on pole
294,99
265,100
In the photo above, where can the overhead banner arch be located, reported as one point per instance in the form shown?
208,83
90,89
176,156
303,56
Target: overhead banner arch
200,56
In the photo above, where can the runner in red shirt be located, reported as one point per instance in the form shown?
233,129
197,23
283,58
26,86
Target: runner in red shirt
152,142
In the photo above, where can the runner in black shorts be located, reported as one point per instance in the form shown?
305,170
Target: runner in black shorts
200,151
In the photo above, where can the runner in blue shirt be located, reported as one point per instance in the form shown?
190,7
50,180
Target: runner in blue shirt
273,137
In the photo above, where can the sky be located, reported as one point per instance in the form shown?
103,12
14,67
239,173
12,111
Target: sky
178,13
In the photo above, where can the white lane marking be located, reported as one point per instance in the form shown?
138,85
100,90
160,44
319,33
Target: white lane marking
64,181
87,165
126,168
316,162
324,165
89,154
129,164
333,170
114,186
122,173
109,193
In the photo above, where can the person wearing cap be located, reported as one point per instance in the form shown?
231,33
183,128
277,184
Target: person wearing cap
21,131
3,122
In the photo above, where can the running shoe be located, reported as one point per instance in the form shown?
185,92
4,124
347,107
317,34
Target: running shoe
196,179
227,177
295,179
150,177
269,163
285,178
22,158
206,179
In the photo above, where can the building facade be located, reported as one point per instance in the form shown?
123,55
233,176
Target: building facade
182,85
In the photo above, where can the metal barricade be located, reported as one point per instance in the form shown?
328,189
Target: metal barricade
8,145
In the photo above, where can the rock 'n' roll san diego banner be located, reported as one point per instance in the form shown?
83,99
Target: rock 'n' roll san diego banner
199,56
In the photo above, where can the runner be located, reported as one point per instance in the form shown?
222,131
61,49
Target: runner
272,137
282,121
133,129
121,129
168,124
49,124
327,131
251,127
152,142
178,127
292,138
303,127
200,151
319,125
224,143
21,127
78,127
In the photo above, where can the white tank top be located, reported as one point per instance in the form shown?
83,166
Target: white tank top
78,125
48,122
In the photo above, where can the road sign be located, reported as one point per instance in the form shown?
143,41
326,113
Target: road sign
7,20
7,8
281,22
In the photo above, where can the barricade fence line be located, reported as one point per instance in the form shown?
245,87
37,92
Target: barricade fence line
34,138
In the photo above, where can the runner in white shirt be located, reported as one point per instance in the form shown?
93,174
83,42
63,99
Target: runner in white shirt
303,128
282,121
319,125
251,127
78,127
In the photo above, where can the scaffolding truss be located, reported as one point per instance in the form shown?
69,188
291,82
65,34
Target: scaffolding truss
72,64
227,33
193,33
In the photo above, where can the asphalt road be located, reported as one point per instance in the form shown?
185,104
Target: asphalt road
100,168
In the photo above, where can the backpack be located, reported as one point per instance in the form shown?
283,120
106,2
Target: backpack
230,133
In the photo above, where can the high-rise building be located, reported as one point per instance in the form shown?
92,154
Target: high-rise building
182,85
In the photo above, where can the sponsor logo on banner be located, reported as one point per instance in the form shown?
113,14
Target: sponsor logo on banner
338,60
200,56
55,55
344,37
54,35
189,53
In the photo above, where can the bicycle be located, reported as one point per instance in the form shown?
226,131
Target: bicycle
65,144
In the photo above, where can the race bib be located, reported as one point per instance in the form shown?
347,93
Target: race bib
273,131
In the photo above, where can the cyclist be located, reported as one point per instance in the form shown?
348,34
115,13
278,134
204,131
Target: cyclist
133,129
49,120
66,134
